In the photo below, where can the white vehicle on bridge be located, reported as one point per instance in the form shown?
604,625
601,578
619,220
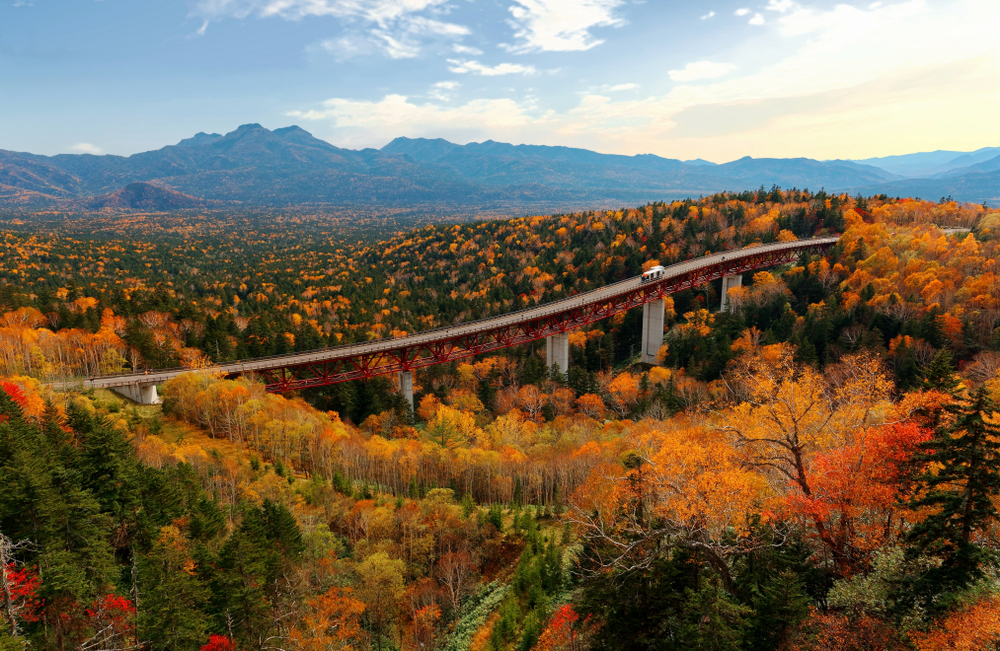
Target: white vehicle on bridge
654,273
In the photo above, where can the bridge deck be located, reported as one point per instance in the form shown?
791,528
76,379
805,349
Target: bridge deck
401,350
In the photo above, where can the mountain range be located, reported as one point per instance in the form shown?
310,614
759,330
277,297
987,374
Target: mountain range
254,166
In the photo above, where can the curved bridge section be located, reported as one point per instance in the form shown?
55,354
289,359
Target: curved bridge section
442,345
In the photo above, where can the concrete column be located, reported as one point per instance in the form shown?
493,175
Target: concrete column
144,394
652,330
406,386
557,351
728,282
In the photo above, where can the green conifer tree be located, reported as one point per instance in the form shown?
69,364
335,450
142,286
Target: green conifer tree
960,477
940,374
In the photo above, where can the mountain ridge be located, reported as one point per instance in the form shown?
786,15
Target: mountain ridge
253,165
930,163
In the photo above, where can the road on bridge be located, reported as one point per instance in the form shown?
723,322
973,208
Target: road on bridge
442,345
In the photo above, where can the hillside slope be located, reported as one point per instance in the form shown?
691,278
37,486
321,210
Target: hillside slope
145,196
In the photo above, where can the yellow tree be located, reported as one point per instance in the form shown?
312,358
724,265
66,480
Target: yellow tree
451,428
785,413
681,486
381,590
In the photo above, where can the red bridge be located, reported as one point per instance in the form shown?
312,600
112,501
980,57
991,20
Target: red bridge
442,345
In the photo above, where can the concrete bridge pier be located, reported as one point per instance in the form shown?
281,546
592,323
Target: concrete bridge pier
406,387
557,351
652,330
728,282
144,394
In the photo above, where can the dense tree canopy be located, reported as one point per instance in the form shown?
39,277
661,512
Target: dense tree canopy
815,468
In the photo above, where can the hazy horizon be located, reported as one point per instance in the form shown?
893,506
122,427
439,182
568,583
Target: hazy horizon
462,143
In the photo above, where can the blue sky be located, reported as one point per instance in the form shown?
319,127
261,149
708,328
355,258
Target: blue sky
717,80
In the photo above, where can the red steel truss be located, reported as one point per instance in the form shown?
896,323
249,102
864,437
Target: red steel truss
451,346
370,359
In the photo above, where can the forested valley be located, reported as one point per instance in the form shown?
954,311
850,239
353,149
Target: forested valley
817,467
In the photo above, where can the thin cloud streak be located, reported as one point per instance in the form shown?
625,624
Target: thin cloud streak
395,26
463,67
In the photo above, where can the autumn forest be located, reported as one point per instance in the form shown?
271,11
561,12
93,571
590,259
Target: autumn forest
816,467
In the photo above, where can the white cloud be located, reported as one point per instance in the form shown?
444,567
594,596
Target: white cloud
86,148
804,21
394,26
440,90
780,6
741,12
422,25
620,87
462,67
347,47
396,48
561,25
360,123
701,70
708,15
757,19
458,48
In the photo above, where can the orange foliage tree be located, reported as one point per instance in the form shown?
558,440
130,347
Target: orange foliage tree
843,633
332,622
682,485
971,628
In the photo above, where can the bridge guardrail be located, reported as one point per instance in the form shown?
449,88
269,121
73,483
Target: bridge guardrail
485,324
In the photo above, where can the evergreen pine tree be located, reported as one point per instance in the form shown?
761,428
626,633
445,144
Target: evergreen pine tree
711,620
552,571
940,374
960,478
171,616
777,603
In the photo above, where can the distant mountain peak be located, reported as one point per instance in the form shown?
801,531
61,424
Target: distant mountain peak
200,138
292,129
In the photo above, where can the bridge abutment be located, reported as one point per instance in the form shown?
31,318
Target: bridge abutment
557,351
406,387
729,282
652,330
144,394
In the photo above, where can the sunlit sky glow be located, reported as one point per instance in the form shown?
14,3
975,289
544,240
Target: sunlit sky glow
678,79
